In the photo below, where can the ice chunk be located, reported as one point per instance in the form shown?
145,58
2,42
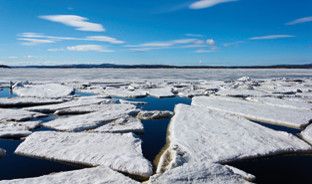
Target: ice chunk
307,134
2,152
121,152
163,92
281,102
121,125
199,134
154,114
82,101
92,120
296,118
199,173
241,93
132,102
17,129
89,175
122,92
27,101
244,79
18,115
44,91
247,176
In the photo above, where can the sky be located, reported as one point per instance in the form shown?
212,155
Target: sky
167,32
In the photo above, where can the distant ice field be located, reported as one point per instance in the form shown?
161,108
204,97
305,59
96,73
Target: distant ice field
105,74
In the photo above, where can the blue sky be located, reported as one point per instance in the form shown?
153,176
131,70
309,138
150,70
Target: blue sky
175,32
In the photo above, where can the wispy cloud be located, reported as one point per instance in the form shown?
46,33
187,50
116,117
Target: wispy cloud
80,23
268,37
301,20
165,43
12,57
84,48
33,37
235,44
194,35
204,51
210,41
34,41
54,50
208,3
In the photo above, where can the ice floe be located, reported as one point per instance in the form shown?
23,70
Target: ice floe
121,152
161,92
296,118
199,134
241,93
2,152
77,102
154,114
281,102
123,92
27,101
201,173
121,125
83,122
18,115
89,175
43,91
132,102
307,134
17,129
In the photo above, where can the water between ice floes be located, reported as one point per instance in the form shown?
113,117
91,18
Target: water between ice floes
279,169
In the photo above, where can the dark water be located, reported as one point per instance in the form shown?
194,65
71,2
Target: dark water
279,128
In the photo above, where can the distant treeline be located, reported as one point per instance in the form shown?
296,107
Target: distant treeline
4,66
162,66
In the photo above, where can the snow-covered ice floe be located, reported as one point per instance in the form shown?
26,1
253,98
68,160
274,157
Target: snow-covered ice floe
241,93
307,134
18,129
199,173
121,125
296,118
281,102
121,152
83,176
122,92
83,122
78,102
2,152
18,115
27,101
154,114
199,134
44,90
163,92
132,102
94,107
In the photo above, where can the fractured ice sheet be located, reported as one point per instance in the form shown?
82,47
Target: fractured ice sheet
78,102
307,134
27,101
163,92
125,93
83,122
18,115
281,102
199,173
2,152
199,134
44,90
132,102
121,125
121,152
296,118
17,129
241,93
89,175
154,114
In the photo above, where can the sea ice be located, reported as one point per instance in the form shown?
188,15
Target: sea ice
125,93
2,152
44,91
132,102
307,134
296,118
199,173
281,102
27,101
199,134
121,125
120,152
89,175
18,115
83,122
241,93
78,102
154,114
162,92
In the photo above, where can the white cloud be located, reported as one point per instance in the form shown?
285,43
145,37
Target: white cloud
204,51
301,20
53,50
268,37
33,41
97,48
210,41
80,23
30,56
166,43
104,39
235,44
207,3
12,57
194,35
